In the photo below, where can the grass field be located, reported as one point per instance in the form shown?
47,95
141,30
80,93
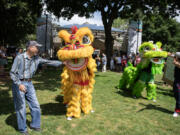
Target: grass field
116,112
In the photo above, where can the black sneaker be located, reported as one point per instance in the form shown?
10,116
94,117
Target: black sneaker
25,133
36,129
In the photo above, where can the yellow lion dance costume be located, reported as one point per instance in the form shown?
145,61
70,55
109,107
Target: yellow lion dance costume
78,74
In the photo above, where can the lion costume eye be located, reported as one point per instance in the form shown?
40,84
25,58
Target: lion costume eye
86,40
146,48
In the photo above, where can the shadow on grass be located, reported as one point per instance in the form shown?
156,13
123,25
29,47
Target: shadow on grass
11,120
124,93
6,104
48,79
159,82
54,108
97,75
6,101
165,92
161,89
127,93
154,107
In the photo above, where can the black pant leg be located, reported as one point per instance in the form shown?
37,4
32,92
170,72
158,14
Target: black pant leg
176,89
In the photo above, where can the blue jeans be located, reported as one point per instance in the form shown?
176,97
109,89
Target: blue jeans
20,106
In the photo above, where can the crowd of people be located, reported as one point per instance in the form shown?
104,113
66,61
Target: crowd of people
4,58
117,63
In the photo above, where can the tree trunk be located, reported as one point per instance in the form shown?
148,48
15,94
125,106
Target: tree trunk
109,41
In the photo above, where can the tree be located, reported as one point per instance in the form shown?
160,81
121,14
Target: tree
18,18
111,10
157,28
121,24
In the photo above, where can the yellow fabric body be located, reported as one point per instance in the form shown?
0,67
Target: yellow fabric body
76,96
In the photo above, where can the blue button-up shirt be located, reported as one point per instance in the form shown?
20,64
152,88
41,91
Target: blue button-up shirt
25,67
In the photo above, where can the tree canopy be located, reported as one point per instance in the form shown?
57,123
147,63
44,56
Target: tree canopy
111,10
18,18
157,28
121,24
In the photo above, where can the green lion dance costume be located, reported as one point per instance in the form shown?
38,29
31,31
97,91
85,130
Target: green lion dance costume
142,76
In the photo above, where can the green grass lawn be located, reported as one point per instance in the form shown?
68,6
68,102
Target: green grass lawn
116,112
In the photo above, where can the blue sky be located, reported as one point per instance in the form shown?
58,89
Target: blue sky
96,19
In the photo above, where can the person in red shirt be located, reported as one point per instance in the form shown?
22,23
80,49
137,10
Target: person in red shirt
124,61
137,60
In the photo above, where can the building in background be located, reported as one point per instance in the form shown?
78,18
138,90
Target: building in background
134,37
44,34
99,36
47,35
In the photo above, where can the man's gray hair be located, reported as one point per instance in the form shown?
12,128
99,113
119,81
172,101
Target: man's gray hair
32,43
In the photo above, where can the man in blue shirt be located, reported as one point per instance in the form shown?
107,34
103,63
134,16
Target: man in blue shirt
22,71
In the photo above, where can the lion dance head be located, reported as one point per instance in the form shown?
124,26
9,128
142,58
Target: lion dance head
77,79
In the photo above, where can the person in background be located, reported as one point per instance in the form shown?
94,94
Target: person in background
3,60
137,60
104,62
112,66
133,57
130,60
22,71
20,51
98,61
124,62
118,63
176,85
17,52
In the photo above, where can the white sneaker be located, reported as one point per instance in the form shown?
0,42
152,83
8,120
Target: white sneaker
175,114
154,100
92,111
69,118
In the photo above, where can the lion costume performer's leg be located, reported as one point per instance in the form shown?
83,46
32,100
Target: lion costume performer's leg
128,78
151,91
122,82
138,88
86,95
66,84
74,109
86,100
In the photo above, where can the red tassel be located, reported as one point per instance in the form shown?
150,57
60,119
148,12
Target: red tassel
74,29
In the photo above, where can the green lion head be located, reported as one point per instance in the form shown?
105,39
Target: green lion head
153,52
